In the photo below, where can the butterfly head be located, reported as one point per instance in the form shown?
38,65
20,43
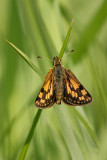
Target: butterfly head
56,61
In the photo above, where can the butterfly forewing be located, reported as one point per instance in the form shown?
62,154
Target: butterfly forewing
74,92
46,96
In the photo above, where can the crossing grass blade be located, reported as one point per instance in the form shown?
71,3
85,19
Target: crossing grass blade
26,58
29,137
66,40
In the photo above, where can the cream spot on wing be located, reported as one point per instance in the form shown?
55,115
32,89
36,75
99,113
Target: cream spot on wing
42,101
83,92
80,98
88,99
73,94
40,95
37,102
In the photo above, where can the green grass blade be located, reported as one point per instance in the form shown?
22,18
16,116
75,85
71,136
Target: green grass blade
26,58
29,137
66,40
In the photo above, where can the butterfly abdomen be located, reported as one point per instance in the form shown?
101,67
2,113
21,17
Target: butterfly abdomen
58,83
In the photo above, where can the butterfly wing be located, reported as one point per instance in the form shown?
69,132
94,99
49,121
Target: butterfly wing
74,92
46,96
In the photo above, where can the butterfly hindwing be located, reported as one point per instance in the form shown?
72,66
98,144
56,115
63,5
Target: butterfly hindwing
74,92
46,96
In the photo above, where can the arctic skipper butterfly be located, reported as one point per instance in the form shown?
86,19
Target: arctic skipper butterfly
61,85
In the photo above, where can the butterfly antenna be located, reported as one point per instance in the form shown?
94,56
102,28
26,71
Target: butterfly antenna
69,52
39,57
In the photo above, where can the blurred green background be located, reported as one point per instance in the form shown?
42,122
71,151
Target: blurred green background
38,28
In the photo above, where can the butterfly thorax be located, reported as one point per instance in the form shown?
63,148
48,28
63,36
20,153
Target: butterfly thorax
58,82
56,61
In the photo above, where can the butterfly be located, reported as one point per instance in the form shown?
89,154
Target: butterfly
61,85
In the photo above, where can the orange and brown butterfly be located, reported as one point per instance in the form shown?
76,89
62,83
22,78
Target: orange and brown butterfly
61,85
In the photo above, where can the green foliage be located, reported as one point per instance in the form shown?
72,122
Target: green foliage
39,28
